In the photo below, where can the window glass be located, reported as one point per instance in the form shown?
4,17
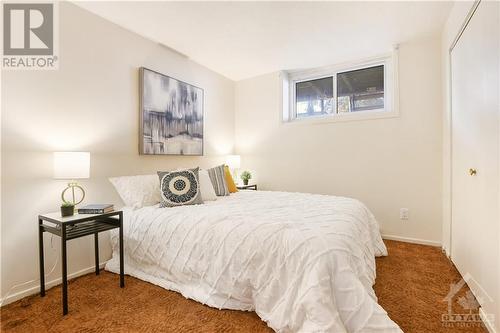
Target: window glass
314,97
360,90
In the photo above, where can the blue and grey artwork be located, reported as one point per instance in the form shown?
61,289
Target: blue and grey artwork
172,116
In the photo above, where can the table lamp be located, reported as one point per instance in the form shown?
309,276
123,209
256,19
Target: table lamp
233,162
72,166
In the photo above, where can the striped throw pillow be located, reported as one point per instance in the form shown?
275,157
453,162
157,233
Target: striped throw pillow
218,179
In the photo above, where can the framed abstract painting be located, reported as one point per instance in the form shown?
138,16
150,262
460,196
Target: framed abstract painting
171,116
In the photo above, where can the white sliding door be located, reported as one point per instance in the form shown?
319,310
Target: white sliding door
475,152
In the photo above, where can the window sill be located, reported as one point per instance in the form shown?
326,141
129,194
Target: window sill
358,116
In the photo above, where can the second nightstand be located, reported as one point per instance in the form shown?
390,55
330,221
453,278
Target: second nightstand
247,187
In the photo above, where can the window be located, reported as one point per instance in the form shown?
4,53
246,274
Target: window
342,92
360,90
314,97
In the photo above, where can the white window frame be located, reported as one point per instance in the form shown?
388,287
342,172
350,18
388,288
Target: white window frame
289,80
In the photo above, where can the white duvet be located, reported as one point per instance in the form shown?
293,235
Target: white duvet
302,262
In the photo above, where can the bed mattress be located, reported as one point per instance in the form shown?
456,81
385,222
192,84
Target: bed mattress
302,262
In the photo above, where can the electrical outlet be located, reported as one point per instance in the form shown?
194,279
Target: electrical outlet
404,214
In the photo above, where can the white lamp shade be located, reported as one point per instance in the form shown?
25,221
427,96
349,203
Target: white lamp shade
71,165
233,161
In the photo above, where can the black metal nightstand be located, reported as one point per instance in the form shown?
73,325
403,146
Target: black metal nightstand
76,226
247,187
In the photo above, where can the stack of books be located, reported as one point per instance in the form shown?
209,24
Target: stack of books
96,209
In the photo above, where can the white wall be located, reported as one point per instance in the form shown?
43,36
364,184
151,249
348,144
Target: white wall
90,104
386,163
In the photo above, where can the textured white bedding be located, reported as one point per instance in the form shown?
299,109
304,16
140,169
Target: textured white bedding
303,262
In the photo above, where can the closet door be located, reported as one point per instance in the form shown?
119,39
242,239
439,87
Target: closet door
475,149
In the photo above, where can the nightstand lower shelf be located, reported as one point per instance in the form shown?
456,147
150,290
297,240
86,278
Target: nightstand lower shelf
93,227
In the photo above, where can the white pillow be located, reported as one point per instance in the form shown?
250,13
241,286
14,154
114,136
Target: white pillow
206,187
138,191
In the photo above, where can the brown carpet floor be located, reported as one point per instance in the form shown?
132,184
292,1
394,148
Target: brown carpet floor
411,285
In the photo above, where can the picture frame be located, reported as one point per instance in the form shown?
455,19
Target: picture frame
171,116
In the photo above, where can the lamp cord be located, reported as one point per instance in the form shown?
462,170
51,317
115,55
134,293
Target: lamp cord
34,280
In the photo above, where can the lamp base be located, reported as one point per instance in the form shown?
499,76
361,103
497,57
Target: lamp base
72,186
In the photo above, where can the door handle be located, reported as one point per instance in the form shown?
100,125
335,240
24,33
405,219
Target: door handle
472,172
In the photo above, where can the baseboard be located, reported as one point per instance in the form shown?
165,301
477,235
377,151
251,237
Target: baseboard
488,324
412,240
36,289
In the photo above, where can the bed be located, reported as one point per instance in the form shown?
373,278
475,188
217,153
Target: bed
302,262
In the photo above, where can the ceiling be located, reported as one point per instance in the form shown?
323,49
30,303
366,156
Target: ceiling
245,39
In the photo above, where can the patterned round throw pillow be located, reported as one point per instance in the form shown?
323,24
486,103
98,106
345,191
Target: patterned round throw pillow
178,188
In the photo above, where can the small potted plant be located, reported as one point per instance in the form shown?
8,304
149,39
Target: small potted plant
67,209
246,176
